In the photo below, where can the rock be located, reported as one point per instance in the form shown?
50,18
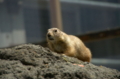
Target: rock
30,61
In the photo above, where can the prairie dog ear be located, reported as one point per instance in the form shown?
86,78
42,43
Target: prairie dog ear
62,37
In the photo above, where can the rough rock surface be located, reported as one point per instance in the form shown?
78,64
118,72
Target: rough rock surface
35,62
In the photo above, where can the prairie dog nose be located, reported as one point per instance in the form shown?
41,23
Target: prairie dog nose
49,35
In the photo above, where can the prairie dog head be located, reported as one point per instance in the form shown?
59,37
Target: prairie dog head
54,34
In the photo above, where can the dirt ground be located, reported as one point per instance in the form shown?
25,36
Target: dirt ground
30,61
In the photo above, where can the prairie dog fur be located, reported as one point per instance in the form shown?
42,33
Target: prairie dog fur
69,45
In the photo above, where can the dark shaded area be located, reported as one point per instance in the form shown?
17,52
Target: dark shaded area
35,62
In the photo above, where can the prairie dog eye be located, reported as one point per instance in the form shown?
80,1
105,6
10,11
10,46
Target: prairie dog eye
55,30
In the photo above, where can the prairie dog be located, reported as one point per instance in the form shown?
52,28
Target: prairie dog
69,45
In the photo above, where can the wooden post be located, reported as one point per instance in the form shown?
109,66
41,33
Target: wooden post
55,12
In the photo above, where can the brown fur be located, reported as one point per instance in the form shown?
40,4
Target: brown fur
69,45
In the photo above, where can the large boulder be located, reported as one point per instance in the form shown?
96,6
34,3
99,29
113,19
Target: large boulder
30,61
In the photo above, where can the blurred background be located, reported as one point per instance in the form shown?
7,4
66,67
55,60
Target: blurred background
96,22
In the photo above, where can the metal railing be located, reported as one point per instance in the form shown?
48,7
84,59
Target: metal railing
93,4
